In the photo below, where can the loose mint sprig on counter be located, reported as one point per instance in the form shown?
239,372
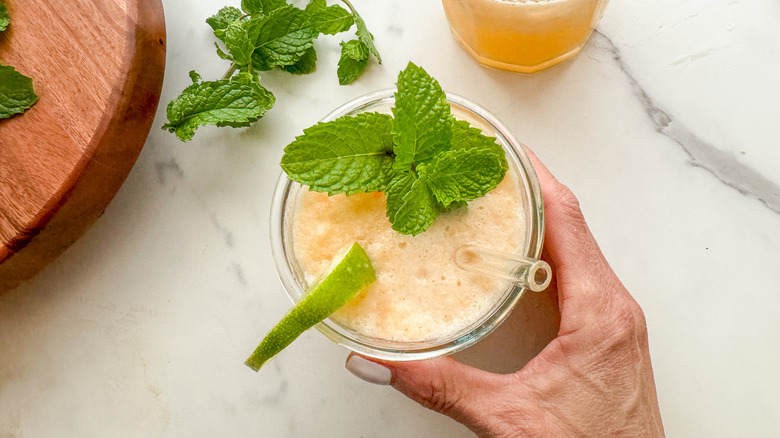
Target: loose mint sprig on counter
421,157
261,36
16,90
5,19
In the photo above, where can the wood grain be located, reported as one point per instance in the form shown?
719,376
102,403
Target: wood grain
97,66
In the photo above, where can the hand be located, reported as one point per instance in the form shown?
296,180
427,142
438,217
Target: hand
595,379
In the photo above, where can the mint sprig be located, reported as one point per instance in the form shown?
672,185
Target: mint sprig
235,102
5,19
355,53
424,160
16,90
362,32
354,59
264,35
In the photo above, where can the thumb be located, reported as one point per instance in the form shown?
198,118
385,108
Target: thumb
567,236
466,394
569,242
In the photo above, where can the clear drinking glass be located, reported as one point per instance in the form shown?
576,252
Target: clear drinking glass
523,35
293,279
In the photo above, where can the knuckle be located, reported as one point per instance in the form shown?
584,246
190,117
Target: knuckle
441,396
564,202
563,196
635,317
628,323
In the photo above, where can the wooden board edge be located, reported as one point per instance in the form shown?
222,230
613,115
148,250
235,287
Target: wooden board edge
86,201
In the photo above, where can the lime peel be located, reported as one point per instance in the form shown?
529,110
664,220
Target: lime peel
347,276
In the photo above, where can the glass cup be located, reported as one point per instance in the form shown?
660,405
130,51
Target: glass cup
523,35
293,279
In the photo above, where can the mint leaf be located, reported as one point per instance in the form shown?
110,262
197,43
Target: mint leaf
221,53
354,49
236,103
332,20
347,155
194,76
16,92
281,38
238,42
452,207
423,122
307,64
261,7
366,37
397,188
465,136
5,19
362,31
411,206
316,6
222,19
463,174
246,77
353,61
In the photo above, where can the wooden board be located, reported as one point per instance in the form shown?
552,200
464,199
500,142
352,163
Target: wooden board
97,67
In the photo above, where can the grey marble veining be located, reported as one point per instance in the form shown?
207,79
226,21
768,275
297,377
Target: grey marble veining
722,164
168,169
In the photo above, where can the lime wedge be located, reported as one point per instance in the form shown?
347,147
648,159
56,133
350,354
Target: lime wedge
345,278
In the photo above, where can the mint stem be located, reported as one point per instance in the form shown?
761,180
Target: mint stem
349,5
231,70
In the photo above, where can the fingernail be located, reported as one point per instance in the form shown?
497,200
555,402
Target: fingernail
369,371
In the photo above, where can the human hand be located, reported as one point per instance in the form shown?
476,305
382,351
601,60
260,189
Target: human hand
594,379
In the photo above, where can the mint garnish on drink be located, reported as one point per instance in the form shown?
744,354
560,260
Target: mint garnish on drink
421,157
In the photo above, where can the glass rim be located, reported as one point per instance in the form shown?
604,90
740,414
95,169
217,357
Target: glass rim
402,351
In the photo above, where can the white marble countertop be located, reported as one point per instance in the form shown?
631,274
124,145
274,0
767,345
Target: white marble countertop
667,127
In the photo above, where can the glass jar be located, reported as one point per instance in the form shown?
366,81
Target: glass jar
523,35
283,208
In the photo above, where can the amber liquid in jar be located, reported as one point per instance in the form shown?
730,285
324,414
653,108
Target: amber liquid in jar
523,35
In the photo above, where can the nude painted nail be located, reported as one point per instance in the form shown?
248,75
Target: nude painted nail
371,372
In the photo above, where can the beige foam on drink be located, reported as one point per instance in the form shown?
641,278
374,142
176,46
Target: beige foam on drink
420,293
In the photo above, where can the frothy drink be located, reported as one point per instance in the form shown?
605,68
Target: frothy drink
420,293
